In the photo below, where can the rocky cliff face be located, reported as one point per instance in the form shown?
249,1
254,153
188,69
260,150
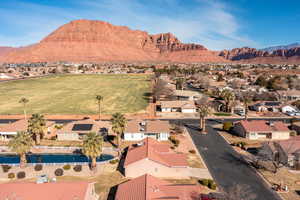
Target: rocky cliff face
250,55
87,40
5,50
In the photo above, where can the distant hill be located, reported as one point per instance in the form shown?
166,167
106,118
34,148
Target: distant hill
97,41
284,47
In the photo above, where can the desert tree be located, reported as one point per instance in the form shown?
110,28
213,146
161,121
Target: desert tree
21,144
203,110
118,125
92,148
36,127
99,99
246,99
24,102
229,97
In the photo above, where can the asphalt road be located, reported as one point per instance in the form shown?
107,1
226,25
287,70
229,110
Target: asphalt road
226,166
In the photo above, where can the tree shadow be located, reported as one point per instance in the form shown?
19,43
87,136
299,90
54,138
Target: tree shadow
147,96
110,139
235,159
120,167
112,193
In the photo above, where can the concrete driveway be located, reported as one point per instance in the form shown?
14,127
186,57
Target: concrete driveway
226,166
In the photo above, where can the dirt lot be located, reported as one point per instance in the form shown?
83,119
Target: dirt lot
285,177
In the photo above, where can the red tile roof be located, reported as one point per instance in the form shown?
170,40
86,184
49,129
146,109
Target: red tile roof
20,125
263,126
157,152
291,145
147,187
44,191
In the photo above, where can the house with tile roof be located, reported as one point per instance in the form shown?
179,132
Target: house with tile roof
137,130
262,129
48,191
7,131
286,152
76,130
155,158
148,187
177,106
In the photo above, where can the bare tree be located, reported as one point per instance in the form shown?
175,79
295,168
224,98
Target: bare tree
161,89
239,192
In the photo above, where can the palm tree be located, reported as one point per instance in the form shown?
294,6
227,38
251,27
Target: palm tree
36,127
228,97
247,101
21,144
203,111
92,147
24,101
99,98
118,125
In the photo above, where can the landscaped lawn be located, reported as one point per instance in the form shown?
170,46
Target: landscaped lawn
75,94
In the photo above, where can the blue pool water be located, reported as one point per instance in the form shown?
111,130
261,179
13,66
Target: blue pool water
51,158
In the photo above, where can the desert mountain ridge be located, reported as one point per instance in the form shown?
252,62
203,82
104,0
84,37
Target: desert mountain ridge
99,41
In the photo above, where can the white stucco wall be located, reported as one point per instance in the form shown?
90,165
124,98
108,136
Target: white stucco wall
141,136
68,137
188,110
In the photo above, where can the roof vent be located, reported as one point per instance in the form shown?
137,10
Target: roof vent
270,123
140,144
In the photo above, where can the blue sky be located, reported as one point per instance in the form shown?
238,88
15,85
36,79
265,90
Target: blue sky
217,24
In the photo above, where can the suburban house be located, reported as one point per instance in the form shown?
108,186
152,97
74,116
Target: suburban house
75,130
287,152
147,187
7,131
288,95
272,106
289,109
177,106
261,129
155,158
137,130
48,191
187,95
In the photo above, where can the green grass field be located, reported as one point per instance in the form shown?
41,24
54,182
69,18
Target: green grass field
75,94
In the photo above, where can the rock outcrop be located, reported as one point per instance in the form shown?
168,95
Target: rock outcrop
252,55
89,40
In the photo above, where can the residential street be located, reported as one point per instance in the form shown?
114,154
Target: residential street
226,166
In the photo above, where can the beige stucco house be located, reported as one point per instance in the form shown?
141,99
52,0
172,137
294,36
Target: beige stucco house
261,129
76,130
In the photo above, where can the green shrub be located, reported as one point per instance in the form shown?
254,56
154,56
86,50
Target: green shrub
192,151
223,114
174,141
227,126
59,172
67,167
113,161
11,175
213,186
293,133
21,175
5,168
38,167
77,168
204,182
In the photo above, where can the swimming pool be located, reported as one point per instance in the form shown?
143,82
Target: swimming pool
51,158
